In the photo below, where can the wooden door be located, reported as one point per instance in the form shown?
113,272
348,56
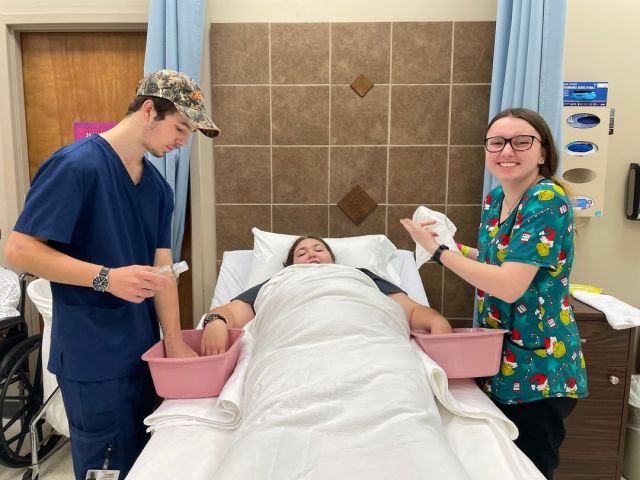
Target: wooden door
81,76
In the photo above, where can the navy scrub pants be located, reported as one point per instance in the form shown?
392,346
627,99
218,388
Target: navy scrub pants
541,426
107,413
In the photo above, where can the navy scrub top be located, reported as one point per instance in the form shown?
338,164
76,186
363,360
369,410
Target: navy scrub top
83,201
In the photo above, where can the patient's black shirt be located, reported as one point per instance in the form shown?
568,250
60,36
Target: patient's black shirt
386,287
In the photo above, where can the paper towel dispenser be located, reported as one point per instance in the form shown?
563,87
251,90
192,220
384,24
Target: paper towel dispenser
633,192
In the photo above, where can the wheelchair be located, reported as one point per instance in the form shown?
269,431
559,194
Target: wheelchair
25,437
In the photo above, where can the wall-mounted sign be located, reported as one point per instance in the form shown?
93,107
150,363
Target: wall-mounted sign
85,129
576,94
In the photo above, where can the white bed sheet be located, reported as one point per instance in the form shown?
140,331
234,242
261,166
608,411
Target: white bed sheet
194,451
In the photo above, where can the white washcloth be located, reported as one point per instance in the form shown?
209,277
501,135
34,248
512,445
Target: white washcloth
443,227
220,412
619,314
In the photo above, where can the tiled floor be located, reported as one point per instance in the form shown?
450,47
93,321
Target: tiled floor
56,467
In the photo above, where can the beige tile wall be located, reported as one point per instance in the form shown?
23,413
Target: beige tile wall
296,137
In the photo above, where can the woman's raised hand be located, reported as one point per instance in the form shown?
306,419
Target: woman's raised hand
421,234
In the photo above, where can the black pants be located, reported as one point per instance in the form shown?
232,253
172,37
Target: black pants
541,426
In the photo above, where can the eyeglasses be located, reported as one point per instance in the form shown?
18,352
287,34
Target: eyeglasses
519,143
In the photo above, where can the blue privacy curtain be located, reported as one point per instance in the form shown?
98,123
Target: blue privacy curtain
528,62
174,40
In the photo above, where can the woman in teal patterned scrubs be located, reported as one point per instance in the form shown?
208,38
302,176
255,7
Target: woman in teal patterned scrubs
521,271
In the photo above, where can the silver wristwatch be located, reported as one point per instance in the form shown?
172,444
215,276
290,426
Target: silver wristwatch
101,281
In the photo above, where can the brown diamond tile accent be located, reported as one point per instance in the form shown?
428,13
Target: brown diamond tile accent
357,204
361,85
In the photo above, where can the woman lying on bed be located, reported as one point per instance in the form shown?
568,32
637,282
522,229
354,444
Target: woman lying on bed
308,250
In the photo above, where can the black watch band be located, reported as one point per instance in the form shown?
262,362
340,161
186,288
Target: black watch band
438,252
210,317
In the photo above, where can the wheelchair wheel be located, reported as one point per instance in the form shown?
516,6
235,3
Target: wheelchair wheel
20,400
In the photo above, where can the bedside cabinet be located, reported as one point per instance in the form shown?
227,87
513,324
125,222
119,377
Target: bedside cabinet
594,445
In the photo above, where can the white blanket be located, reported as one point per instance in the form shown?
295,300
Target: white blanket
475,428
334,389
222,411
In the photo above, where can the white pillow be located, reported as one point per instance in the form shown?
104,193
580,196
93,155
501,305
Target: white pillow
372,252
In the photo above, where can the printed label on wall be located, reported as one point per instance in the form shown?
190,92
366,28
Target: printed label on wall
85,129
584,93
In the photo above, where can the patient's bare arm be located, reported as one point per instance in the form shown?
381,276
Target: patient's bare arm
421,317
215,336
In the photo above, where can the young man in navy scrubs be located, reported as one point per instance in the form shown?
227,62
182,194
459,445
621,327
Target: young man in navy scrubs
96,221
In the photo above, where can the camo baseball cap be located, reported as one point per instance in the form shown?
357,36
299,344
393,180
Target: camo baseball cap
184,93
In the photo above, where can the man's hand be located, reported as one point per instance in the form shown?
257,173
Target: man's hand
135,282
177,348
215,338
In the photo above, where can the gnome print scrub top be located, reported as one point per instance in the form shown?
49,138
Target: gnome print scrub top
541,355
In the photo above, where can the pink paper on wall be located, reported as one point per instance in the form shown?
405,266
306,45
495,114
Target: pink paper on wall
84,129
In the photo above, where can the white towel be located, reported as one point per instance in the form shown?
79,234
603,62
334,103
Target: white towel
220,412
443,227
462,397
475,428
619,314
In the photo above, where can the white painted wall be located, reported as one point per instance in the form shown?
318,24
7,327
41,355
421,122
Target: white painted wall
602,45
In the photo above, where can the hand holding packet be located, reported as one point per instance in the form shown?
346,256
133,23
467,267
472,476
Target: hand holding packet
172,271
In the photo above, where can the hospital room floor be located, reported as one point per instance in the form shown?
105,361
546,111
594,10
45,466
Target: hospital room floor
56,467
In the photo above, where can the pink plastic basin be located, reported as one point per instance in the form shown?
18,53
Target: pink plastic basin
199,377
465,353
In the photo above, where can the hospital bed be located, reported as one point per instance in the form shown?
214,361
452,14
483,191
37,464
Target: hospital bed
474,439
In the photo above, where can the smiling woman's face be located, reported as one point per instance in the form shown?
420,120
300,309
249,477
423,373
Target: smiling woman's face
311,250
509,165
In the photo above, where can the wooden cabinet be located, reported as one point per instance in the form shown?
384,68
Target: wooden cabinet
594,444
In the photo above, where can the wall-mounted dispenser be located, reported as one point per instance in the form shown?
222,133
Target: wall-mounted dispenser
585,141
633,192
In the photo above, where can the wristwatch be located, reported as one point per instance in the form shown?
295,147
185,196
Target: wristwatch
210,317
101,281
438,252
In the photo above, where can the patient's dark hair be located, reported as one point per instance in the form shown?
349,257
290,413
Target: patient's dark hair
297,242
